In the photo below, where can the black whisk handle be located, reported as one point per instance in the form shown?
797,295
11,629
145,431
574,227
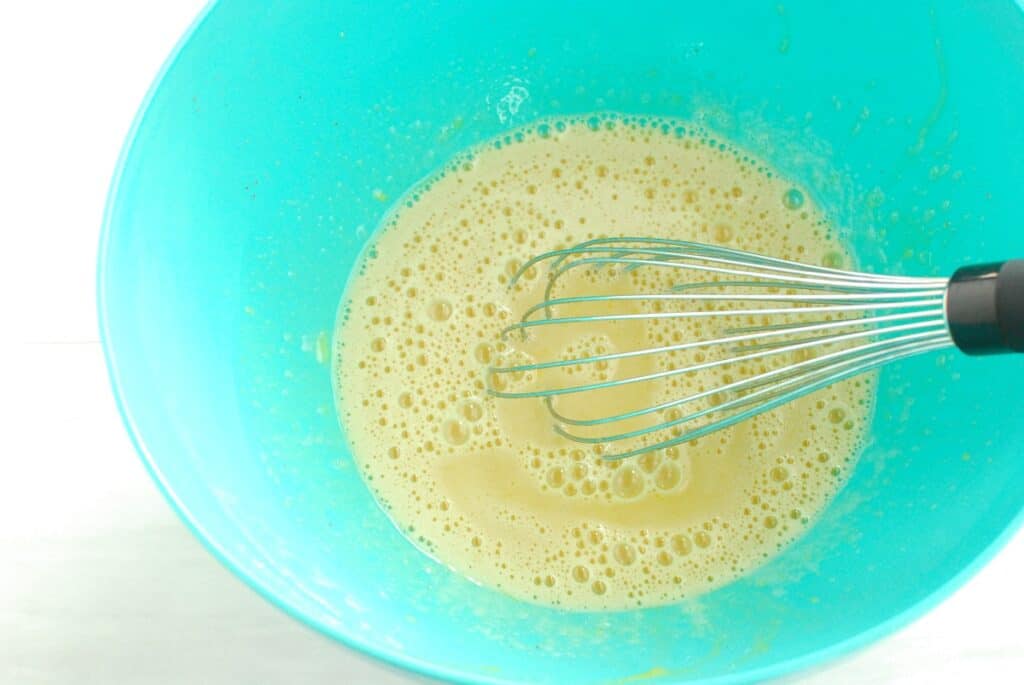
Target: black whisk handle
985,307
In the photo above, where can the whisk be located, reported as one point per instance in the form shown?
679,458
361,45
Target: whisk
833,324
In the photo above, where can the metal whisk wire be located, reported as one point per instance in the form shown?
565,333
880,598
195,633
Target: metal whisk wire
882,318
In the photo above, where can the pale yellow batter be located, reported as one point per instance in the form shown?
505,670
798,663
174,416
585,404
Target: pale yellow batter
485,485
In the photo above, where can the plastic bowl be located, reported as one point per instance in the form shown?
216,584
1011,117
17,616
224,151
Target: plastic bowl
246,190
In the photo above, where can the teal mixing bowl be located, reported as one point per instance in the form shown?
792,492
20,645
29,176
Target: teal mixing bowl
255,173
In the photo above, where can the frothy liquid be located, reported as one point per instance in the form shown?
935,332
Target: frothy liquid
485,485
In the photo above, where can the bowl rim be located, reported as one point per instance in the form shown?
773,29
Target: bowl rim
392,657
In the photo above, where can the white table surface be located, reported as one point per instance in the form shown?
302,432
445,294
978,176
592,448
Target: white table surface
99,582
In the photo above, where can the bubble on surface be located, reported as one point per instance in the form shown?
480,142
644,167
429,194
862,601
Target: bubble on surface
793,199
624,553
440,310
627,482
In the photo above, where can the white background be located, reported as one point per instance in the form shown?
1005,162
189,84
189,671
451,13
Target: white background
99,583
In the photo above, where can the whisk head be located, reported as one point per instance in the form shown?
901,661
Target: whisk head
771,330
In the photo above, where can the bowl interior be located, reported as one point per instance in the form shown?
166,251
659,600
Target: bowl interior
247,192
